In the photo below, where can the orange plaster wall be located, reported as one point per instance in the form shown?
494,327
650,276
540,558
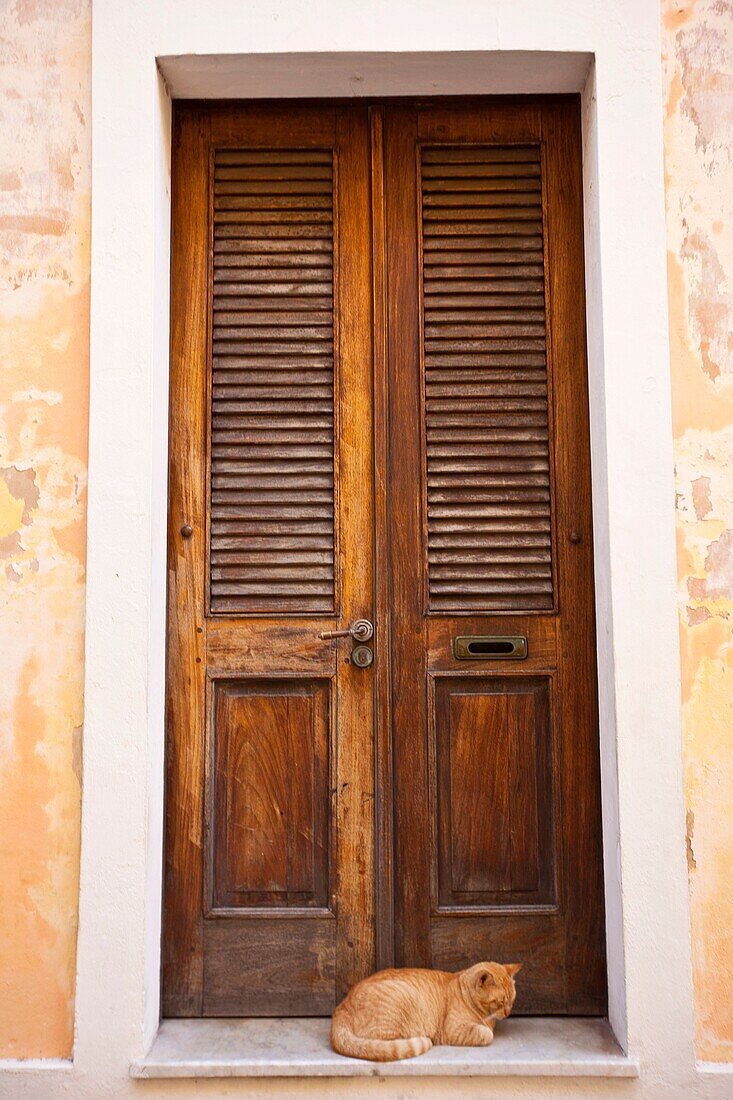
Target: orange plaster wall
697,38
45,47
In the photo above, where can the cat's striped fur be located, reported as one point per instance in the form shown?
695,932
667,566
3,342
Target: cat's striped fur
400,1013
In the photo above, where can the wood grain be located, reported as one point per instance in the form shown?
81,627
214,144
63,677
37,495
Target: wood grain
355,813
485,379
457,936
269,895
289,972
182,967
578,708
493,267
272,396
493,792
382,585
378,410
270,833
411,858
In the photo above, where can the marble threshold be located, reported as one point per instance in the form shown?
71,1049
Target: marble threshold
536,1047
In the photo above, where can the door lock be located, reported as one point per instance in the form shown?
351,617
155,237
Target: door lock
361,630
362,656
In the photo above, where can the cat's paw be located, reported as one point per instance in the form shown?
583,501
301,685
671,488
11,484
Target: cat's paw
485,1037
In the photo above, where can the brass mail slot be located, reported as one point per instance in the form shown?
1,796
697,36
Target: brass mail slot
490,647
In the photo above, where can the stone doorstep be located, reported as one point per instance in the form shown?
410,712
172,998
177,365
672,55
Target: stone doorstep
531,1047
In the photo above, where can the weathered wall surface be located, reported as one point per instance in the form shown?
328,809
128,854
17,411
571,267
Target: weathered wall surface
698,69
45,48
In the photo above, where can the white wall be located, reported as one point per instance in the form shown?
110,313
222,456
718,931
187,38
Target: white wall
649,947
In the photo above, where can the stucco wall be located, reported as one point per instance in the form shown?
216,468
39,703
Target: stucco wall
45,47
698,71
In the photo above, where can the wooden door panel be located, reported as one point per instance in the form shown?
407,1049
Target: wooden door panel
378,410
269,896
271,531
479,122
542,947
493,793
487,466
490,536
287,972
269,841
183,890
540,632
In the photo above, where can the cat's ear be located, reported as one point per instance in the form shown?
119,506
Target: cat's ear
513,968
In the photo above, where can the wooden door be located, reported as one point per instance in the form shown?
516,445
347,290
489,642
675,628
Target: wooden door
497,850
379,411
269,865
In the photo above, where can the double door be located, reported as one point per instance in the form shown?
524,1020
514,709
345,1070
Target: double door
382,740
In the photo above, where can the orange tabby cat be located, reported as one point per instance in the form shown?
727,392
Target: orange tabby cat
400,1013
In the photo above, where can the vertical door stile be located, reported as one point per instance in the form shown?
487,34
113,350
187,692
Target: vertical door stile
585,959
183,952
355,940
408,649
383,615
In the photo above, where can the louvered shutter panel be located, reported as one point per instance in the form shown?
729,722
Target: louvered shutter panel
486,400
272,394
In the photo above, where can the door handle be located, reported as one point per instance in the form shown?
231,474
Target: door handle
361,630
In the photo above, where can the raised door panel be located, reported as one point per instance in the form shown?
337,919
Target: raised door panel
271,816
493,793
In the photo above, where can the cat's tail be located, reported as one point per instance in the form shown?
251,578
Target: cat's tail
344,1041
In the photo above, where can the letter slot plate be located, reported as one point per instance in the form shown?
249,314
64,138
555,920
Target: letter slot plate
490,647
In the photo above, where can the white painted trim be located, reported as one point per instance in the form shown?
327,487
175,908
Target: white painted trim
158,562
649,943
280,76
715,1069
358,74
42,1066
616,967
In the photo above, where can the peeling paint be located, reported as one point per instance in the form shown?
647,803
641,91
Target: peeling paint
710,305
698,74
689,832
702,51
22,486
701,497
44,350
718,582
